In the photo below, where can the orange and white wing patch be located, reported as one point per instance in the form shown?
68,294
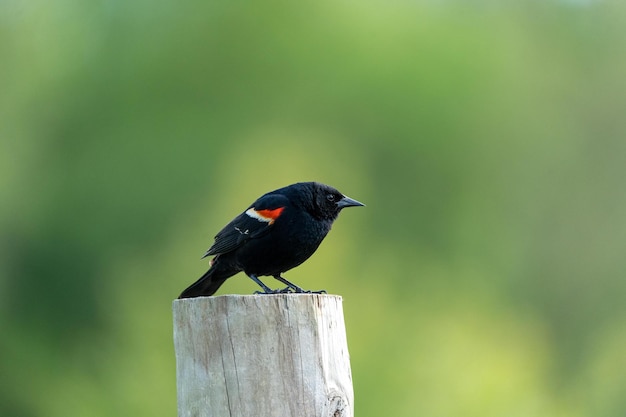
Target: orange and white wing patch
267,216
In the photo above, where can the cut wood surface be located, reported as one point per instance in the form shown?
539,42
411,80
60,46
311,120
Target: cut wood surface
262,355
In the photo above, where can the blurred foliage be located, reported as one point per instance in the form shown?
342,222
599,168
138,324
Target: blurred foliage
485,277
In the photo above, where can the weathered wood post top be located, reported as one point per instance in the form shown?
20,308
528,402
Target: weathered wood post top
262,355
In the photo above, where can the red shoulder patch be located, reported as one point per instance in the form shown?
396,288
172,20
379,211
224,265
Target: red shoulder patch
271,214
267,215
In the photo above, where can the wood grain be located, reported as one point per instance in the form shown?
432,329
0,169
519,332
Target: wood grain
262,355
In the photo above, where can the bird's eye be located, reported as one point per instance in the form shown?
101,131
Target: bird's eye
330,197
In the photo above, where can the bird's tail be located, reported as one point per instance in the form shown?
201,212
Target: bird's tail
208,283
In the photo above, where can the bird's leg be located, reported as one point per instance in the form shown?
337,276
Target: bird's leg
290,285
295,288
266,289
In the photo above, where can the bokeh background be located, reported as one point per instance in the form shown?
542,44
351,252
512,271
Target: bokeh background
485,277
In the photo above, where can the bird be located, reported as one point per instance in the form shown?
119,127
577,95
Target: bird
276,233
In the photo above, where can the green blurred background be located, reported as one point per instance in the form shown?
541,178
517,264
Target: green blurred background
484,278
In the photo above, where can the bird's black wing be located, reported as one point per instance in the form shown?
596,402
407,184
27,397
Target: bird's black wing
257,220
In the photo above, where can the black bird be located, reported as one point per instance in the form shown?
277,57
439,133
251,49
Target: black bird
276,233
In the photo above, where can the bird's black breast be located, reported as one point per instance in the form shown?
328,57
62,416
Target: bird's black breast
292,240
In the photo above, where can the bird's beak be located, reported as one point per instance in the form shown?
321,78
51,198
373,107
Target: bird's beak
348,202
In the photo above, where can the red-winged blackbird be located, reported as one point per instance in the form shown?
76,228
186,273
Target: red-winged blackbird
277,232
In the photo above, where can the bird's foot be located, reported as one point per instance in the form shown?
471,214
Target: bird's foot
270,292
294,289
299,290
289,290
286,290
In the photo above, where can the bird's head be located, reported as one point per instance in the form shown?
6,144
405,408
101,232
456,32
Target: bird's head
327,202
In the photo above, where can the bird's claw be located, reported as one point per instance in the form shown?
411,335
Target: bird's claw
315,292
289,290
278,291
301,291
265,292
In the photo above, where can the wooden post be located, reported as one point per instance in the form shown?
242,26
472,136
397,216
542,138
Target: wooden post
262,356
